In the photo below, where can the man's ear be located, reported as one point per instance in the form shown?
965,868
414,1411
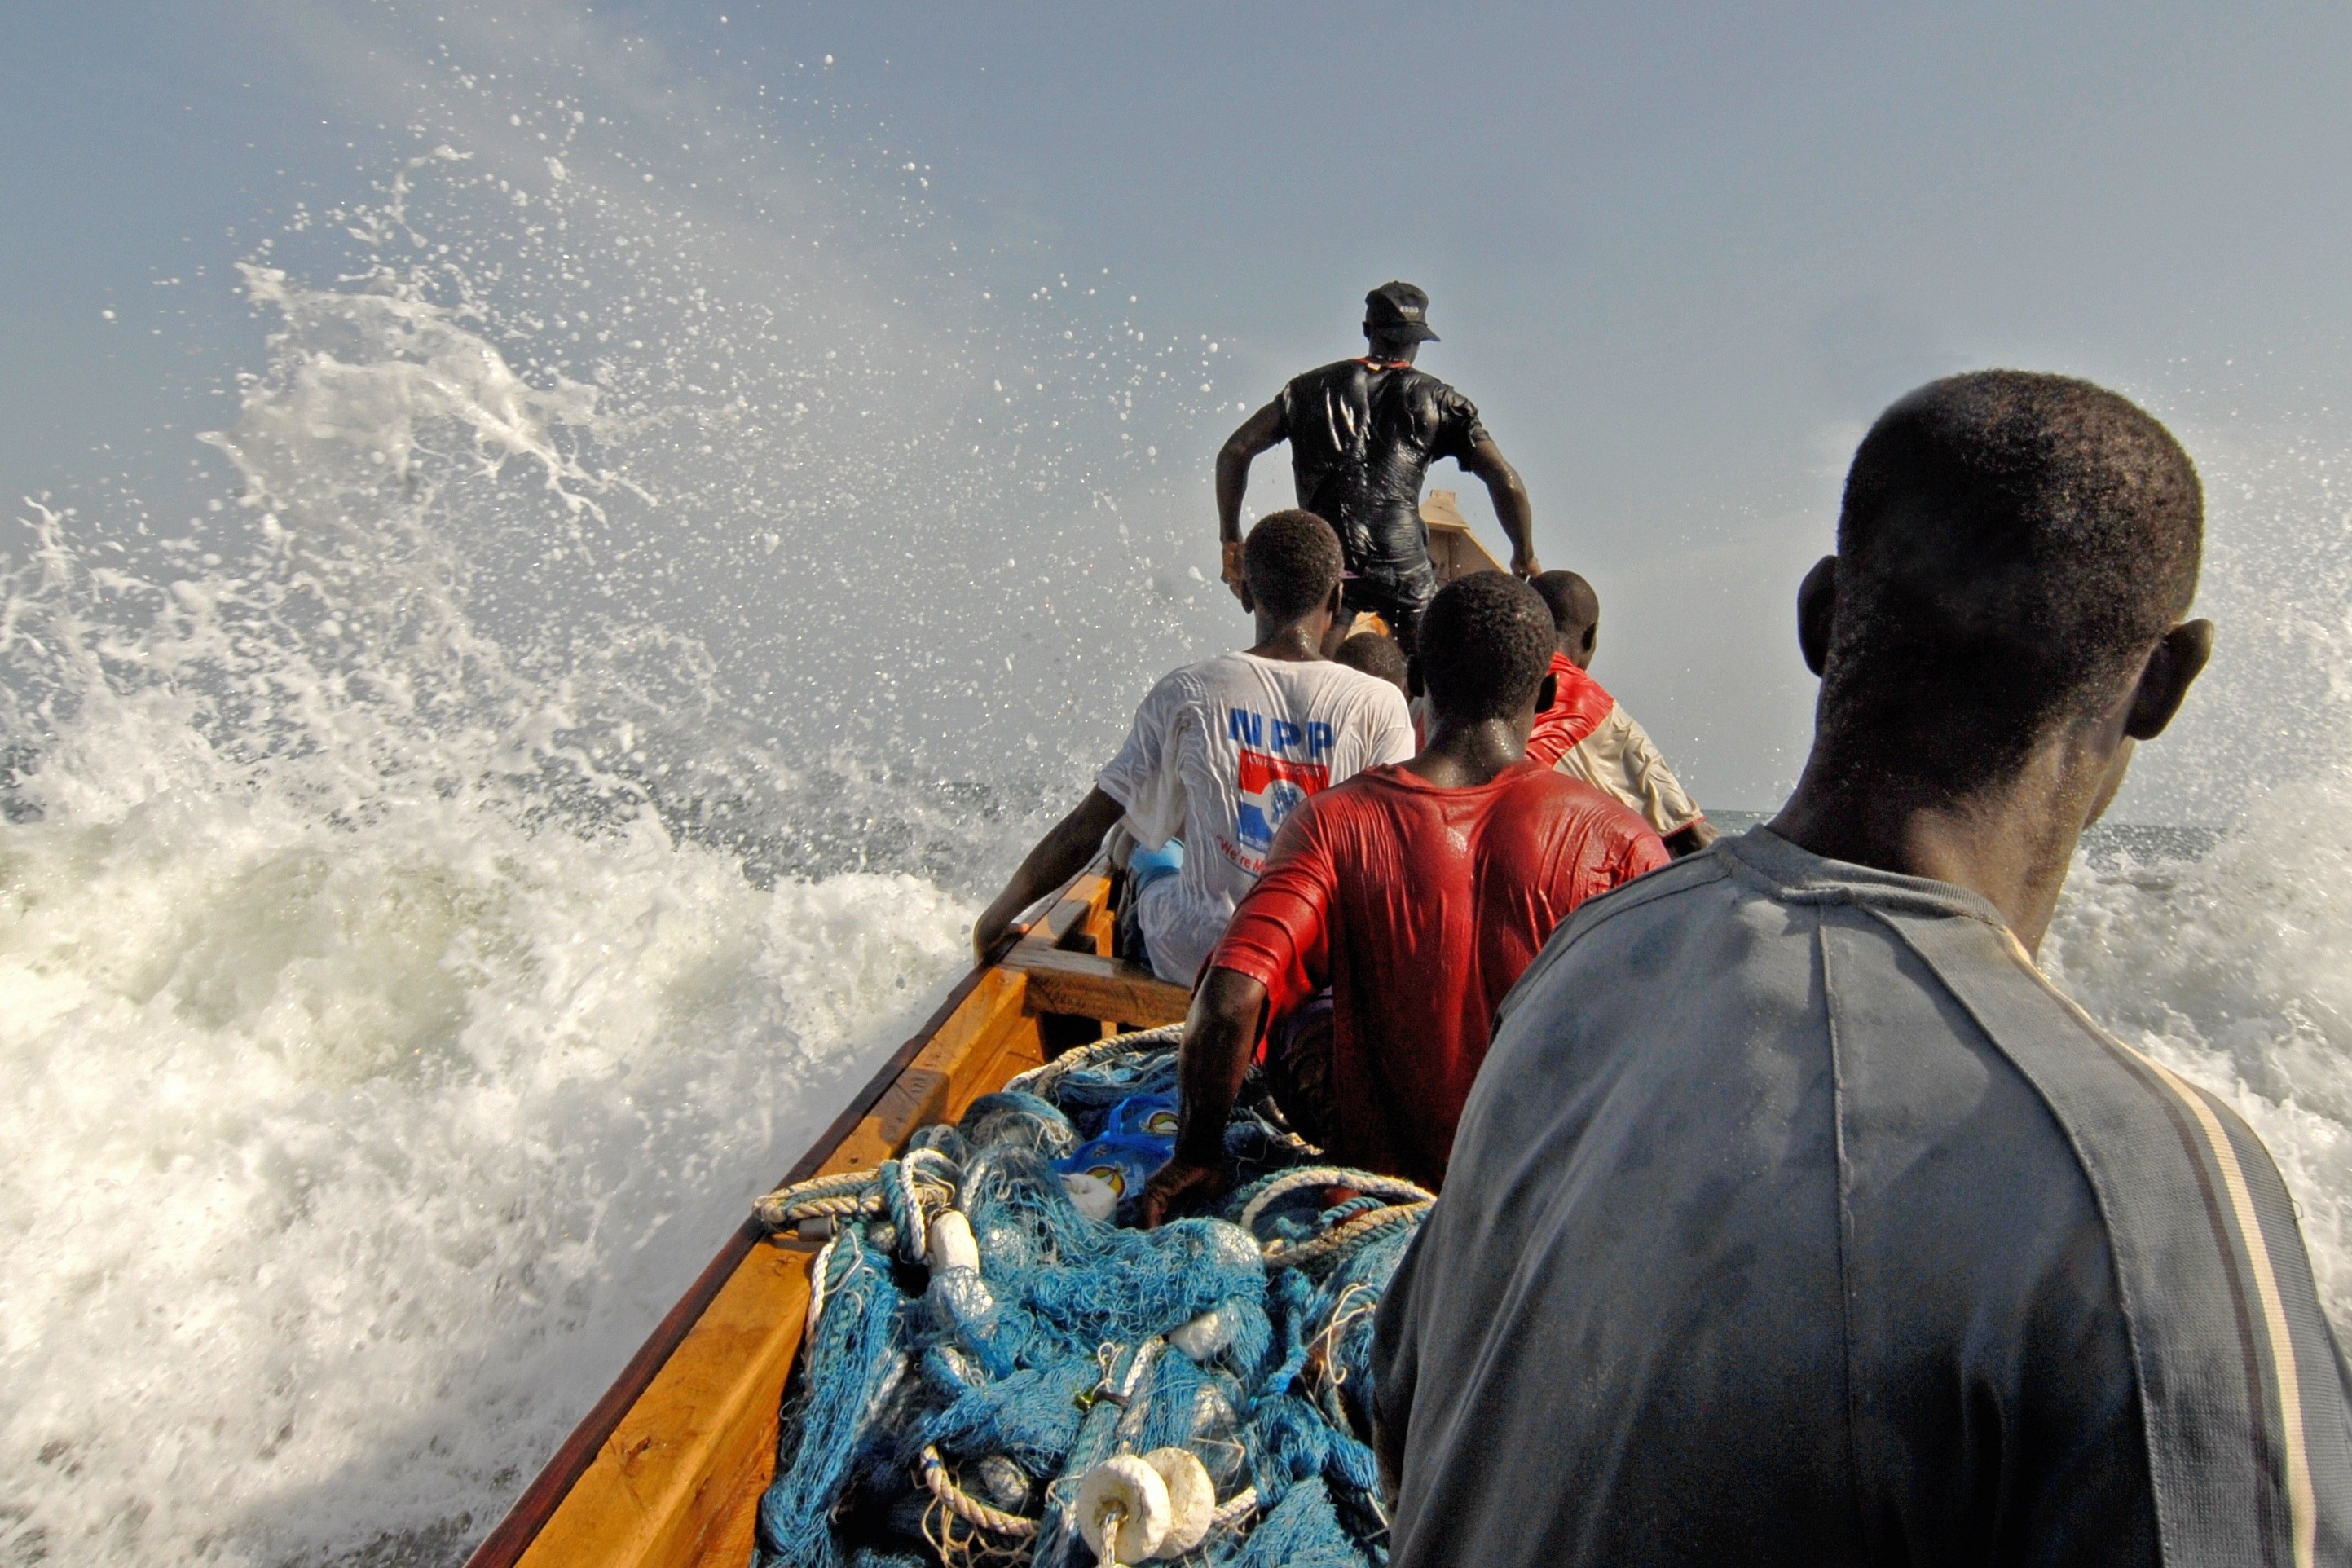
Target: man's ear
1337,600
1590,645
2174,663
1817,612
1547,693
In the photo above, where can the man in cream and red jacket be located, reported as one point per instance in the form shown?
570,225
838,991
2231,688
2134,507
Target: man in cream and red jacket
1587,735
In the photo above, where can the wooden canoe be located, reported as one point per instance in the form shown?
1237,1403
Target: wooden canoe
666,1469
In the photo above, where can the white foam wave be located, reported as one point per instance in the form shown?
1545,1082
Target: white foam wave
421,927
349,1162
2229,968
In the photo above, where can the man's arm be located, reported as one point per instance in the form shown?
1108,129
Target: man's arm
1220,1035
1274,953
1510,499
1061,855
1663,795
1262,431
1691,837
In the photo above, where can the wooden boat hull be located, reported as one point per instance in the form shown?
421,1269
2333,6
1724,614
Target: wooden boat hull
667,1470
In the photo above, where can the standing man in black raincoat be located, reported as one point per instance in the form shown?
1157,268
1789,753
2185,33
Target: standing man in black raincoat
1362,433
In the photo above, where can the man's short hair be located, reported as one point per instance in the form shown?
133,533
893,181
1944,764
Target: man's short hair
1485,645
2009,542
1291,562
1376,656
1573,604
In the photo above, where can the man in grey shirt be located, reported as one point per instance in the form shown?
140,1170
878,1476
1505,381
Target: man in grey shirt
1795,1218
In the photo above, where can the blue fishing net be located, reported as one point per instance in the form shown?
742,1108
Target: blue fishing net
947,1417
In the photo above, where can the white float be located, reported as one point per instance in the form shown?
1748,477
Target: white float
1123,1509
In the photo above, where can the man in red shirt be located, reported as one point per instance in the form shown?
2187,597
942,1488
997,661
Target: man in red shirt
1587,734
1417,892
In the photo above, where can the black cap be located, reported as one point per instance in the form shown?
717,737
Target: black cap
1398,311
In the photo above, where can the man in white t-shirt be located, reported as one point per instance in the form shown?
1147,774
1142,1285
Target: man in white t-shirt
1221,752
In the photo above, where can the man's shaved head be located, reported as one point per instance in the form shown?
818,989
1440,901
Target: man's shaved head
1486,646
1376,657
2010,544
1291,561
1575,608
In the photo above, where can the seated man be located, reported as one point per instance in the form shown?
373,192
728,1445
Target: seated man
1221,752
1418,894
1587,734
1797,1218
1378,656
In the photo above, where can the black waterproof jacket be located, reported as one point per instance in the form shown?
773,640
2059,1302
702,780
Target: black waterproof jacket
1362,435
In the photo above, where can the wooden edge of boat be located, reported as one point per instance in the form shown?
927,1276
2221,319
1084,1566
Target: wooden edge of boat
668,1466
666,1469
1454,550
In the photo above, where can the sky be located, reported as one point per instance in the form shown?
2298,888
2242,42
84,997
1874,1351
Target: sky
1678,256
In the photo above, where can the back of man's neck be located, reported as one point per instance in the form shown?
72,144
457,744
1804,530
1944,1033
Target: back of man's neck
1293,643
1463,756
2010,843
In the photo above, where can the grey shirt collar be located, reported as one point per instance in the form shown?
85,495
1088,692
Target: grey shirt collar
1779,869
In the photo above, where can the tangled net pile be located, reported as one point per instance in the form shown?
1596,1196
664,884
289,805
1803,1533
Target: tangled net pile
991,1376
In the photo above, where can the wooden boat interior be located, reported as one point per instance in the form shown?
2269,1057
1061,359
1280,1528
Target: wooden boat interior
666,1469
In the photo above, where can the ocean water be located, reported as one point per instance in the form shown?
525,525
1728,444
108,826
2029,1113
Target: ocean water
2231,968
463,835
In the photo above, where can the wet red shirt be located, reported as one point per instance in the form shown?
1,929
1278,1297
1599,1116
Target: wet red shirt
1419,907
1577,709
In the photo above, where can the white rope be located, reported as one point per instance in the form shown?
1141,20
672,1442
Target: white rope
968,1508
949,1175
918,1225
1341,1239
1113,1518
853,1193
817,1284
1039,1079
1388,1187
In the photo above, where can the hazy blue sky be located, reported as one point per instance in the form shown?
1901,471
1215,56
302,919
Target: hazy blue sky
1678,255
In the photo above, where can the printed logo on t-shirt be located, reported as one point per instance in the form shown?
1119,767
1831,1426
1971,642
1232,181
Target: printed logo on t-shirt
1273,785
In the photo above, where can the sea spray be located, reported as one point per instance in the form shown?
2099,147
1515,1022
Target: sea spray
2225,952
2231,968
447,873
375,1054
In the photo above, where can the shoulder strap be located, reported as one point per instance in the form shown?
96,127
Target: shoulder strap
2241,1391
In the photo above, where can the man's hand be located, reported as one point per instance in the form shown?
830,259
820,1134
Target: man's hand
1179,1183
988,931
1262,431
1227,1016
1691,837
1510,497
1232,572
1061,855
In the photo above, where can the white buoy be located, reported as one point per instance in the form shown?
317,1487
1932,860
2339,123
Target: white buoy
958,1299
951,1243
1205,1336
1091,1196
1192,1498
1123,1509
1230,1244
